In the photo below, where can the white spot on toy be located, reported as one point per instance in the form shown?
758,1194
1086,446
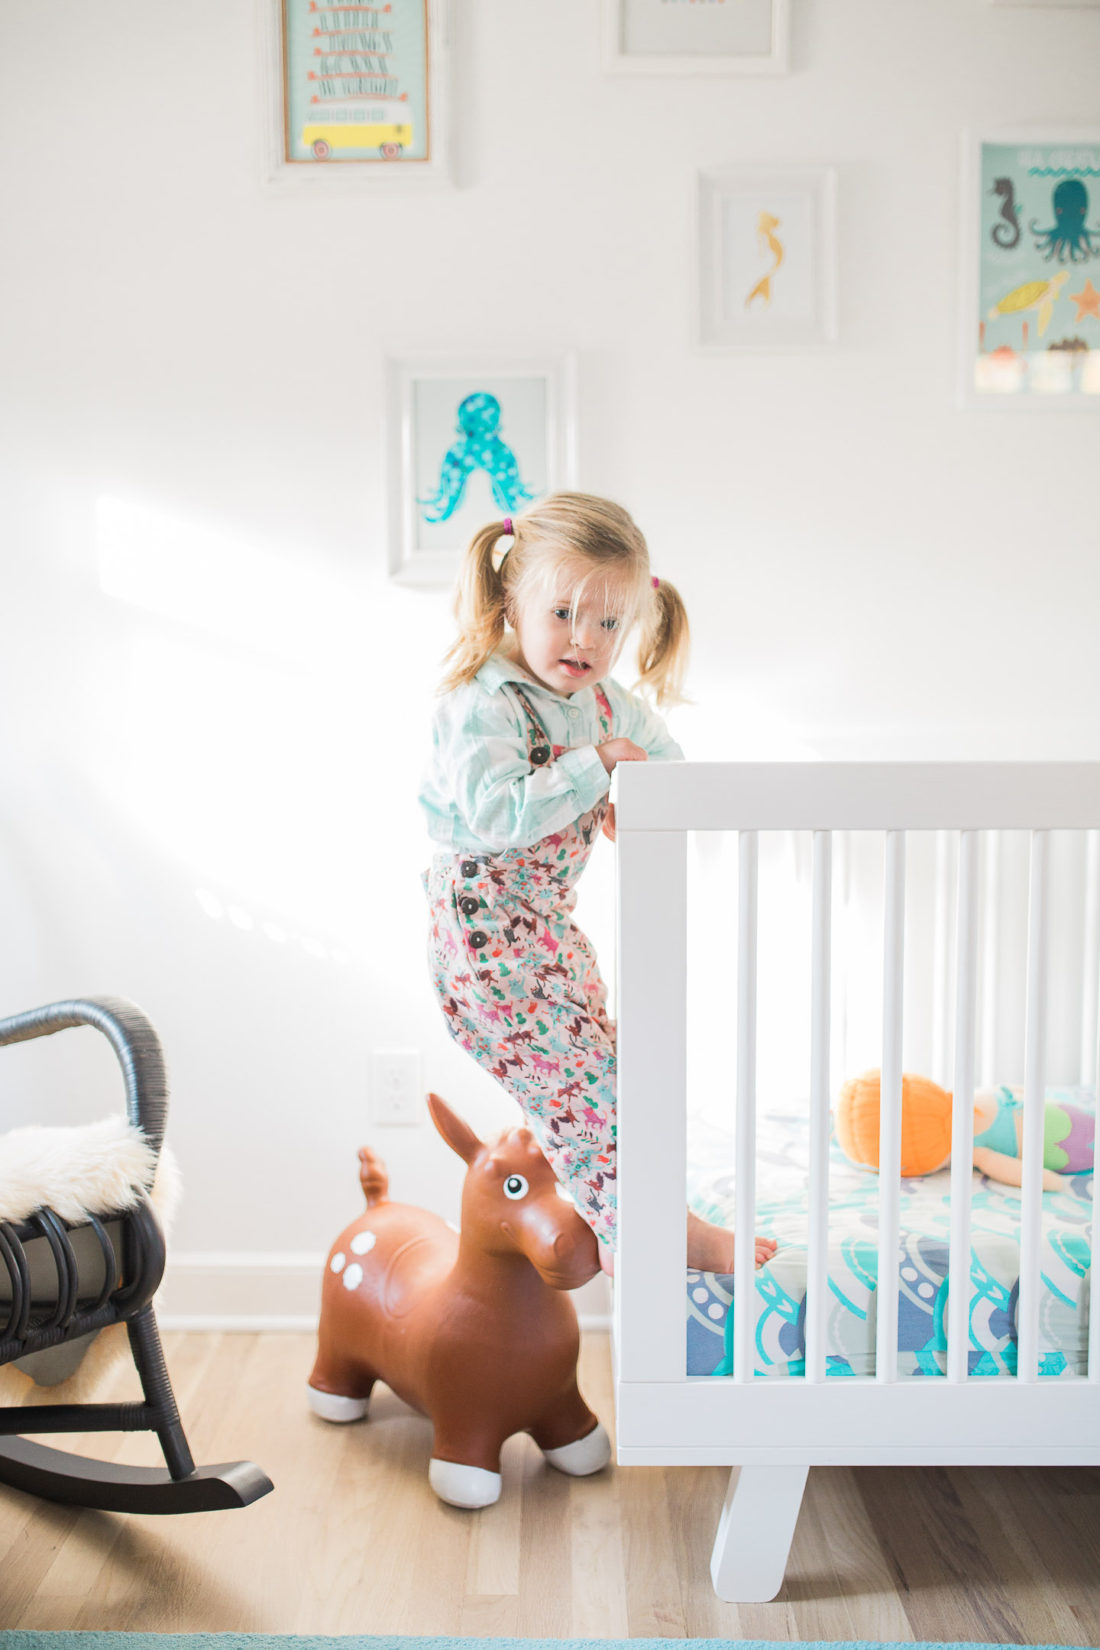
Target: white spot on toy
338,1261
699,1295
362,1243
926,1290
353,1277
714,1310
909,1273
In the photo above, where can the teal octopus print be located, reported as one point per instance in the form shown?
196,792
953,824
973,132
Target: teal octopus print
480,447
1069,236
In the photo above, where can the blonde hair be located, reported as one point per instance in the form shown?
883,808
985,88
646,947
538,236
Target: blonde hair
588,539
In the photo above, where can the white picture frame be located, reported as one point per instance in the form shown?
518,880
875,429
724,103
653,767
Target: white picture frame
432,415
646,37
283,174
1030,349
765,257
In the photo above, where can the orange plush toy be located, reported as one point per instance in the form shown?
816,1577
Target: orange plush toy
925,1123
1068,1137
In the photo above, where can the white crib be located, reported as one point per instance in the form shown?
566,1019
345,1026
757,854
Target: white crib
771,1432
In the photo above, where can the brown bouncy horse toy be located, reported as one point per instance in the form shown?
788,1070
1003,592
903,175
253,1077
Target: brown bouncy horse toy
473,1329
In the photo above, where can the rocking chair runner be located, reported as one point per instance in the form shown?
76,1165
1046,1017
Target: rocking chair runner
69,1279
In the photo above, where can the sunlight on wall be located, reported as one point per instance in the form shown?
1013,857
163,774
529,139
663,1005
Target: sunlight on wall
238,716
238,771
239,917
198,574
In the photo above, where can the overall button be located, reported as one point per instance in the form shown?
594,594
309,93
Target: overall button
469,867
479,940
468,905
540,754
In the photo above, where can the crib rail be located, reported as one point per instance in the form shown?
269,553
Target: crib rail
665,1415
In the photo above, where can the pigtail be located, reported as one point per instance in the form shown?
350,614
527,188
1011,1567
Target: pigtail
479,608
664,645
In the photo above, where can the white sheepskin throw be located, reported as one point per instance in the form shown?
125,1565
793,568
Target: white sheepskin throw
98,1169
95,1169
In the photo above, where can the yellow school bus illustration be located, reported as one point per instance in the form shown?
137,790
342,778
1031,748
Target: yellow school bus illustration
384,126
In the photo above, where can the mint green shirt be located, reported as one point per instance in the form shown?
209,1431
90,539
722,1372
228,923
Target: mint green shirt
480,792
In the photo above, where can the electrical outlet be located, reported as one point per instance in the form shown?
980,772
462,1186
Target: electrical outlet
397,1096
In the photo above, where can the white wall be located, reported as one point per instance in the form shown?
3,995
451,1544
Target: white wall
869,569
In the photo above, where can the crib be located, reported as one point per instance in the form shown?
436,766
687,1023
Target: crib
771,1432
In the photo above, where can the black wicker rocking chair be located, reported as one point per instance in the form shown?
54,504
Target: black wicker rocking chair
61,1281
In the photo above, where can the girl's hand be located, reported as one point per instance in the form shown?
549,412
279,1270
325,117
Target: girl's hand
620,750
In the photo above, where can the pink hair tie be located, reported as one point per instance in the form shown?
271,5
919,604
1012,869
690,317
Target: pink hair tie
656,582
508,525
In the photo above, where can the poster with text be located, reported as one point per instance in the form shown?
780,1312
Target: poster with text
356,83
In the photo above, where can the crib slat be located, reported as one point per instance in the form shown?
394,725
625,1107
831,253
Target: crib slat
1031,1192
1090,966
1094,1272
941,957
744,1263
821,1009
962,1122
886,1346
991,955
842,841
652,1045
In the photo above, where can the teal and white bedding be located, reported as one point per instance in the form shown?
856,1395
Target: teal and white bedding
781,1188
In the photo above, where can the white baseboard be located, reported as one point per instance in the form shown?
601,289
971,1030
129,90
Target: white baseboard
279,1292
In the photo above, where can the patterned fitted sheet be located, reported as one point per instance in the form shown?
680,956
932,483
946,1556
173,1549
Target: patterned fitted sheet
781,1186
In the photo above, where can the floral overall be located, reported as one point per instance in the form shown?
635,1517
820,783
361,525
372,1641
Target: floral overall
521,990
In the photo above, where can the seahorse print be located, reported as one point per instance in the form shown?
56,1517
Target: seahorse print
1006,232
766,227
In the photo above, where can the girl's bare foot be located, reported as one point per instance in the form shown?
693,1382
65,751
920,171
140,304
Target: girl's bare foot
607,1258
710,1248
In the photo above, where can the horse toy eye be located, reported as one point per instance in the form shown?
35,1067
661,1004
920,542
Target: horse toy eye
515,1186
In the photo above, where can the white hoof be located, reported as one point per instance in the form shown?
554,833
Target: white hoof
330,1406
587,1454
463,1486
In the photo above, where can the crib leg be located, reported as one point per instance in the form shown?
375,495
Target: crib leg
755,1532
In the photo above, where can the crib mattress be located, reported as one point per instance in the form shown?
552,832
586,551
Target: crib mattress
925,1229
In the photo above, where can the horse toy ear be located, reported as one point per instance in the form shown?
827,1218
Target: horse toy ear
458,1134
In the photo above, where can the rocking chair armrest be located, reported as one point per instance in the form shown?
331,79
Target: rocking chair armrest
131,1035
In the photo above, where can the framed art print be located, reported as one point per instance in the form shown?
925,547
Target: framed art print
765,258
681,37
1031,274
356,92
471,440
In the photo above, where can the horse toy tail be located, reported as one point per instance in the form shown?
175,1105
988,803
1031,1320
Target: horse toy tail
373,1177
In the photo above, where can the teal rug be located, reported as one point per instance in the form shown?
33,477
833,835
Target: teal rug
307,1641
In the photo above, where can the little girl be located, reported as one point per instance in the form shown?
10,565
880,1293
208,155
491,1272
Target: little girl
525,739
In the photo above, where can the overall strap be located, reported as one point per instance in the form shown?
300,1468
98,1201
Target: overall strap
539,749
604,703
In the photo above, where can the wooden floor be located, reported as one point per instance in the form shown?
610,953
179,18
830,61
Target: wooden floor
353,1540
